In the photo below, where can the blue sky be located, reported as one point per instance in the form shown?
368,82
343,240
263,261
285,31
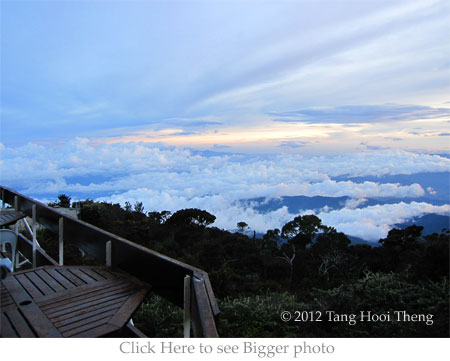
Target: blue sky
201,104
208,74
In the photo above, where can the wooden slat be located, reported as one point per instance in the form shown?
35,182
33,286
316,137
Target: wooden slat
6,329
98,331
84,315
80,305
104,272
28,285
8,217
16,290
5,297
77,272
60,278
91,273
81,292
21,326
54,284
40,323
36,318
128,307
71,277
41,285
75,311
86,327
104,316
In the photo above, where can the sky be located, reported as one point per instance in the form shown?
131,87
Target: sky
203,103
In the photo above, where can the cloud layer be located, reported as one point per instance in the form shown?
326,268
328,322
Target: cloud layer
362,114
170,178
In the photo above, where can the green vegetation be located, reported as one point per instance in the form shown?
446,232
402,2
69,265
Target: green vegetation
305,266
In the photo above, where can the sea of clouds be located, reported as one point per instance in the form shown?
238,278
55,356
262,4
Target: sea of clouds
172,178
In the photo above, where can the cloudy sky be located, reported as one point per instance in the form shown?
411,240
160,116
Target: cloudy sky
121,99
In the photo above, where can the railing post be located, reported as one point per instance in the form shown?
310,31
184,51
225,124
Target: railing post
34,226
203,323
195,314
187,306
16,207
3,199
108,254
61,241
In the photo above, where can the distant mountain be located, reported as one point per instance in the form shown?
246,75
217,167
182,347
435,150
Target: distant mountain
357,240
431,223
438,181
295,204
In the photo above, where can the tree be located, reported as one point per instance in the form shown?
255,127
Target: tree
127,206
289,259
159,217
191,217
64,201
403,239
271,239
242,226
302,230
139,207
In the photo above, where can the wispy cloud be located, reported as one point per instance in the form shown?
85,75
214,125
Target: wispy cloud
153,65
362,114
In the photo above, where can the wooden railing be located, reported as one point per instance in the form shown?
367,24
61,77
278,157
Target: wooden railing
186,286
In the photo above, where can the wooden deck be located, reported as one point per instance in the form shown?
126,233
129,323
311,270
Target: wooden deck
186,286
70,301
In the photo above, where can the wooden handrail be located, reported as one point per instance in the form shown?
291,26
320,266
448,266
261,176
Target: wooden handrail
165,274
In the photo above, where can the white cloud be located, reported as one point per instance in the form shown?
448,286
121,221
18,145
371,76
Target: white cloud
373,223
80,167
169,178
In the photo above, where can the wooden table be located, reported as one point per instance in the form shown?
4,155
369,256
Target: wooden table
10,216
68,301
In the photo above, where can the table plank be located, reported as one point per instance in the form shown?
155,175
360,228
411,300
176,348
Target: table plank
66,283
82,304
85,313
5,298
41,285
98,331
10,216
35,317
53,283
83,276
71,277
104,272
21,326
6,327
28,285
81,292
73,332
88,321
91,273
40,323
128,307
